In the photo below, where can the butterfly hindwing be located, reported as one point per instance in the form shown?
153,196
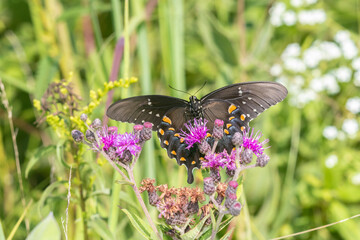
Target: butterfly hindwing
150,108
169,134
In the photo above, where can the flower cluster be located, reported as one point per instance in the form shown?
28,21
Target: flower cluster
117,147
178,206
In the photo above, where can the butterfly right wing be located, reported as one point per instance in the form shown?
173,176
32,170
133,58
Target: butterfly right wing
140,109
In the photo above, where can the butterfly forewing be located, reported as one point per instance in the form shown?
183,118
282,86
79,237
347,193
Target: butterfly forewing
150,108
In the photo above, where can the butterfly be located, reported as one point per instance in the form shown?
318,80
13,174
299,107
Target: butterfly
235,104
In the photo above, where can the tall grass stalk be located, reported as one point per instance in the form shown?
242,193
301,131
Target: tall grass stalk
5,102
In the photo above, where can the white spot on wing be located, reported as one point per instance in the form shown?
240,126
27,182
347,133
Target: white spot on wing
150,112
243,102
248,115
143,110
158,115
249,98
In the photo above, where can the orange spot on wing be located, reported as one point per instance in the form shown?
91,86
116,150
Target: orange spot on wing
226,131
167,120
228,125
242,117
182,159
193,162
172,129
161,131
242,128
173,152
231,118
166,142
232,108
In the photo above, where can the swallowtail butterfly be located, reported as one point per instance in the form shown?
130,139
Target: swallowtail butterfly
236,105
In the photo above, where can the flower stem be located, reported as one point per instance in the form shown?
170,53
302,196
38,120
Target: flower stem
141,201
216,229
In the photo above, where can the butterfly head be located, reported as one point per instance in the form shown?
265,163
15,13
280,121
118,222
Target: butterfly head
195,107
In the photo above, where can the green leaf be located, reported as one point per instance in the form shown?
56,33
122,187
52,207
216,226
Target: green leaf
40,152
194,232
47,229
47,192
227,235
138,224
206,234
2,235
100,227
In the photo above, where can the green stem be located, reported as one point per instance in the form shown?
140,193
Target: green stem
127,41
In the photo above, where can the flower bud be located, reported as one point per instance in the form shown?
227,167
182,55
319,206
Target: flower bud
235,209
204,147
77,135
96,124
146,132
246,156
215,175
262,160
231,189
137,130
218,132
209,186
90,136
230,200
192,207
230,172
83,117
153,198
126,157
112,129
237,139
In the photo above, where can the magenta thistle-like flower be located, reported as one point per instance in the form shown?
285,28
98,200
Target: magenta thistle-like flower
196,132
127,141
121,142
216,160
252,142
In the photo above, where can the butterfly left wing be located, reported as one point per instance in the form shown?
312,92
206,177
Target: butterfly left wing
140,109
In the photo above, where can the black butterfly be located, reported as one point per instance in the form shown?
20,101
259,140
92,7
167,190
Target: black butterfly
236,105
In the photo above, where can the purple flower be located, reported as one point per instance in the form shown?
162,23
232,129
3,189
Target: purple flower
216,160
121,142
197,132
252,142
127,141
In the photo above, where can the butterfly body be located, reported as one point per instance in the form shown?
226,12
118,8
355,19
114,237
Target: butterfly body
236,105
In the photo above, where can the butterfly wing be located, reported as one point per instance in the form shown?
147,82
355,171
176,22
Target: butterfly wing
252,97
238,104
140,109
169,134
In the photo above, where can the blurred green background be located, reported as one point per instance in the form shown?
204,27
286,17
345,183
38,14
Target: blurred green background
311,46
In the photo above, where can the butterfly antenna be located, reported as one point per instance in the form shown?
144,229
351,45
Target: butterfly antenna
200,88
179,90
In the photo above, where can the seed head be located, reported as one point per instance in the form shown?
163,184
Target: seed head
235,209
209,186
246,156
77,135
262,160
237,139
218,132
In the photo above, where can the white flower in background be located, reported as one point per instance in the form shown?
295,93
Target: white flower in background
356,63
312,17
330,50
276,70
312,56
317,84
276,12
353,105
295,65
356,179
296,3
299,80
357,78
309,2
331,161
291,50
351,127
330,84
349,49
330,132
289,18
342,36
343,74
305,97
